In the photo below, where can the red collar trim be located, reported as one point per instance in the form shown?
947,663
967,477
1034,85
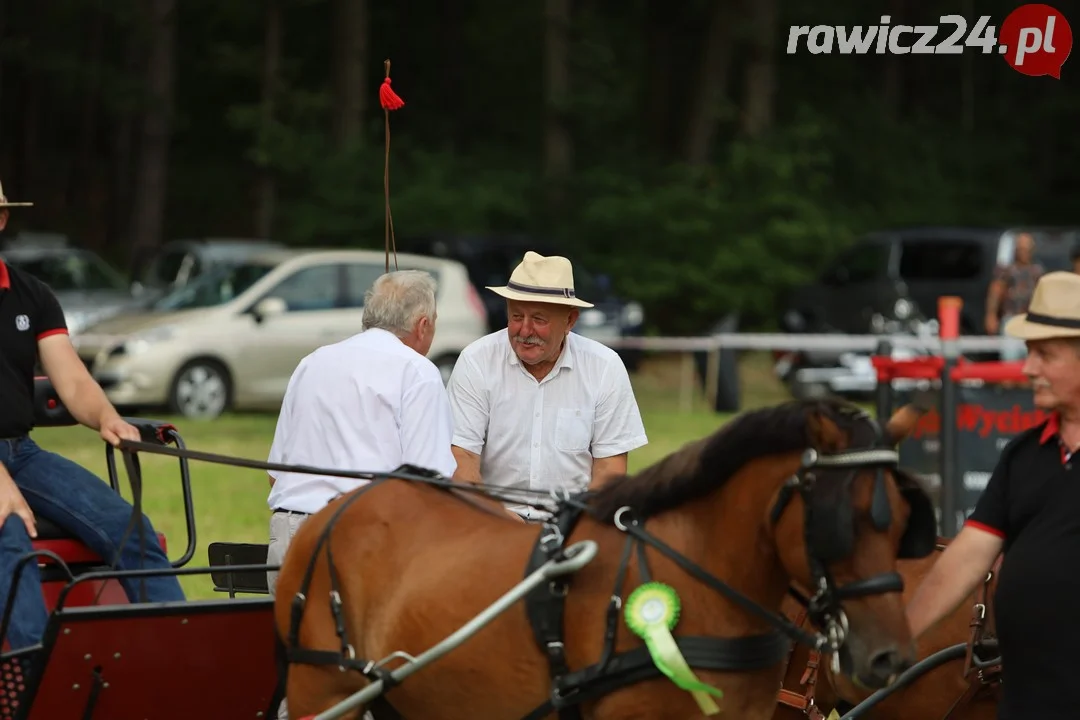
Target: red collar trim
1051,429
5,278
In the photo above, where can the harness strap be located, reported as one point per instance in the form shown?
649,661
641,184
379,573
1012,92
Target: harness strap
693,569
979,612
329,657
134,471
611,627
300,599
753,652
546,605
790,698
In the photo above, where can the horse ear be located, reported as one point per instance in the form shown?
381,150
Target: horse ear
904,420
825,435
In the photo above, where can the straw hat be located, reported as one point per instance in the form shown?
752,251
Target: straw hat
5,204
542,279
1054,311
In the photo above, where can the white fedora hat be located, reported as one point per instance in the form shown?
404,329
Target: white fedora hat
542,279
1054,311
5,204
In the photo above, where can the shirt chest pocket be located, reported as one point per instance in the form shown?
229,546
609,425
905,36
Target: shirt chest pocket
573,429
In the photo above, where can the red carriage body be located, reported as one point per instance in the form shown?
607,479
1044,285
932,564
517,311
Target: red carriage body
105,657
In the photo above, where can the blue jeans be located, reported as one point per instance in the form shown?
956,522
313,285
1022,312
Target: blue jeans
76,500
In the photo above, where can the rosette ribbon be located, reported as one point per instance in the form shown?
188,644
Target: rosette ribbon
651,613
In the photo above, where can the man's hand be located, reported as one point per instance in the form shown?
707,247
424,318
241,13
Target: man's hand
12,501
115,428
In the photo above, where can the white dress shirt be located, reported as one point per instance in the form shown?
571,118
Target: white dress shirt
369,403
542,435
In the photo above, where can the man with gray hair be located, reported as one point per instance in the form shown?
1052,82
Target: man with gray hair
371,402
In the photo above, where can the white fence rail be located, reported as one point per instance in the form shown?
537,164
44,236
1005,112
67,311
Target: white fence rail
796,341
838,343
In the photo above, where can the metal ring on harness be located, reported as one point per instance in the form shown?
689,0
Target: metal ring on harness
618,517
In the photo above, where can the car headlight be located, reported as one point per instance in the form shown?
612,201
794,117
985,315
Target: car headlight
632,314
143,341
902,309
591,318
793,321
75,322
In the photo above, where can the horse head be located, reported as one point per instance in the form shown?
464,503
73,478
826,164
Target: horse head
840,523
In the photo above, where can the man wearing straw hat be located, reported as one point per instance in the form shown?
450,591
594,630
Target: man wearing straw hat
1030,510
34,481
537,407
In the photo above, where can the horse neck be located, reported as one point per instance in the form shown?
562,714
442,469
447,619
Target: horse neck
727,534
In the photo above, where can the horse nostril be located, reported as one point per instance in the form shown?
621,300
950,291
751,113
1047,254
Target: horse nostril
887,664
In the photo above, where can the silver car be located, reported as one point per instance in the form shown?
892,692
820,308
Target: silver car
89,289
232,338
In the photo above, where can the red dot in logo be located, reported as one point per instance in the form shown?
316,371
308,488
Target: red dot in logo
1036,40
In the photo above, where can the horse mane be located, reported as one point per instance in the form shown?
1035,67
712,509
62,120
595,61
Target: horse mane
704,465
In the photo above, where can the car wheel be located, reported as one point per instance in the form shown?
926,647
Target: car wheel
446,363
200,390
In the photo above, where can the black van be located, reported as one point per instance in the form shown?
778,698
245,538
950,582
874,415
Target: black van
883,270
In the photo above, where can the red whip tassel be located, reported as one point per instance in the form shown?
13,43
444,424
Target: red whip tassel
389,101
387,97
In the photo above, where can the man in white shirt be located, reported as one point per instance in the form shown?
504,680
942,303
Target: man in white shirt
535,406
368,403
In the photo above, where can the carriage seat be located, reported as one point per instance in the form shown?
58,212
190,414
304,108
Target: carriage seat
56,539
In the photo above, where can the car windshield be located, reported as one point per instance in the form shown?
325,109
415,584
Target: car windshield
216,287
73,271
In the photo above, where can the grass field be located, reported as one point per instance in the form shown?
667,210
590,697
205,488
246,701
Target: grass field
230,503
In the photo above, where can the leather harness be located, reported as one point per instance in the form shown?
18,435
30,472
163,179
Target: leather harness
805,700
981,644
982,663
546,606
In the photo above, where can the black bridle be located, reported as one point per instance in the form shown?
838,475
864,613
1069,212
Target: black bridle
824,607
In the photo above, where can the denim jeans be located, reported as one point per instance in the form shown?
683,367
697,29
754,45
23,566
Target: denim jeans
76,500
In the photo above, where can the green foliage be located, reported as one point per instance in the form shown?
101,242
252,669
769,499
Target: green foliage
467,153
342,200
695,244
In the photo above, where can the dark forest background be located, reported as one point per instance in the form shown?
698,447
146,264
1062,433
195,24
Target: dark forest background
671,142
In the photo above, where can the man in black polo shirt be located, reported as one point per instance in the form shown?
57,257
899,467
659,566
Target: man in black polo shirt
1030,510
35,481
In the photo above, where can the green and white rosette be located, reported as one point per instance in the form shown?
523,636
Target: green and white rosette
652,612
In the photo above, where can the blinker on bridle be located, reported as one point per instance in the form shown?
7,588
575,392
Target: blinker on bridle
829,531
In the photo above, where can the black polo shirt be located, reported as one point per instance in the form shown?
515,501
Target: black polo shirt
28,312
1032,501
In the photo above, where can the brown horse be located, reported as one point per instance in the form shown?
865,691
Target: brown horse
728,522
954,690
